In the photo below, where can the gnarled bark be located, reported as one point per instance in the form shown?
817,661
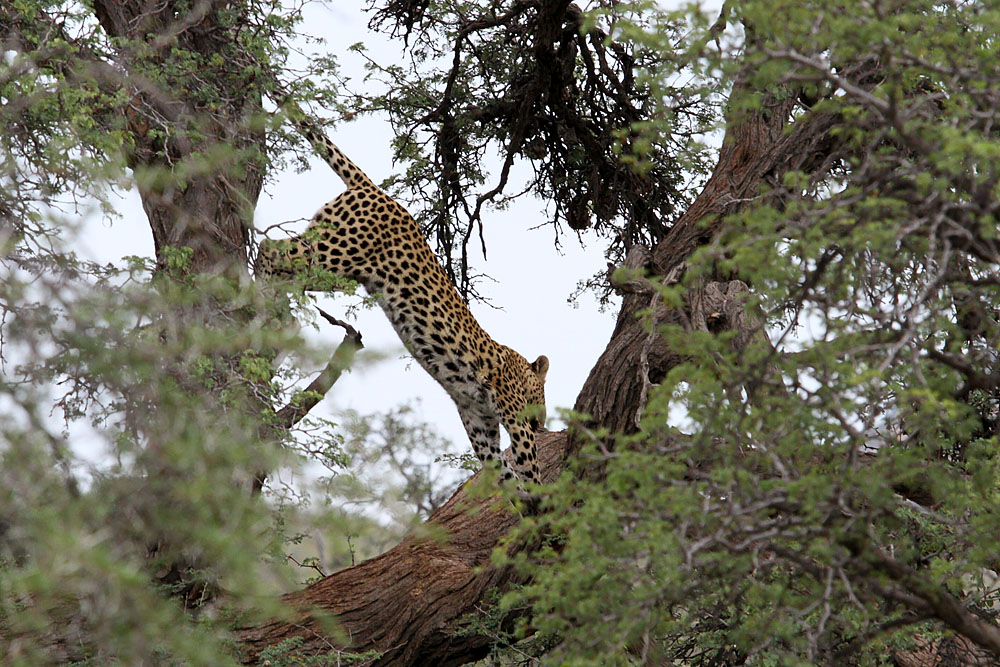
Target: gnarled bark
408,602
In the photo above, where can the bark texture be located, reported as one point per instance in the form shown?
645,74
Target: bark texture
211,214
756,150
408,602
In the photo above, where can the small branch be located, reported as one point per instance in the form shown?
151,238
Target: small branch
924,596
58,450
973,378
825,71
292,414
307,565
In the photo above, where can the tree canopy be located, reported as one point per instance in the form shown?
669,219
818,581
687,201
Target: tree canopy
787,453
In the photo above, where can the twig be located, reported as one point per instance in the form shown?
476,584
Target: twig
303,564
304,401
291,414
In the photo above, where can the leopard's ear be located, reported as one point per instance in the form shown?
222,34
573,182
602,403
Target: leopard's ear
540,366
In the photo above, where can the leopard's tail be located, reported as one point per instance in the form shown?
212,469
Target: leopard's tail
347,170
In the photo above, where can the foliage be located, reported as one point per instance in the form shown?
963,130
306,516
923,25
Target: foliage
391,467
507,646
832,492
384,485
506,98
150,469
829,494
283,655
138,403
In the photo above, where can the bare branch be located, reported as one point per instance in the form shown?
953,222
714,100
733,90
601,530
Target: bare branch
292,413
304,401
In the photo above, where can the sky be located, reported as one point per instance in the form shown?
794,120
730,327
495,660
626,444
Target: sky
531,279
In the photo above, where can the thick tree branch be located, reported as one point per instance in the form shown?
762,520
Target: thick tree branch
924,595
755,147
975,637
408,603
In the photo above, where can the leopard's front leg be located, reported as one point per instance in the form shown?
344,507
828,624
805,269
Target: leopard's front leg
483,428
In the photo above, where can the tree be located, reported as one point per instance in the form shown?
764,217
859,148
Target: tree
165,366
787,452
832,493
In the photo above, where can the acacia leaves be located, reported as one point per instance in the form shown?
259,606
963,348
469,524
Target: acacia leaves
560,97
823,491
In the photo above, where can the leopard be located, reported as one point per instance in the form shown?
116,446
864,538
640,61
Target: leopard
365,235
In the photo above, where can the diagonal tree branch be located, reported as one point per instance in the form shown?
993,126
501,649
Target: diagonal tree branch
299,407
408,603
925,596
343,356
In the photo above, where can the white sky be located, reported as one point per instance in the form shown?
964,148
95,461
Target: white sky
533,279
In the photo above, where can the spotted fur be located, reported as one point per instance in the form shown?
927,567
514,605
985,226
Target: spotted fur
365,235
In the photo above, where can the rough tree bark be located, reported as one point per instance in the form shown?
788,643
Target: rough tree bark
408,602
212,214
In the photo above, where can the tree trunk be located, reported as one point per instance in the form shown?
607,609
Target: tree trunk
207,214
210,214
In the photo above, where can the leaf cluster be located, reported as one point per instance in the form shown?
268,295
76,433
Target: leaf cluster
560,97
829,492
